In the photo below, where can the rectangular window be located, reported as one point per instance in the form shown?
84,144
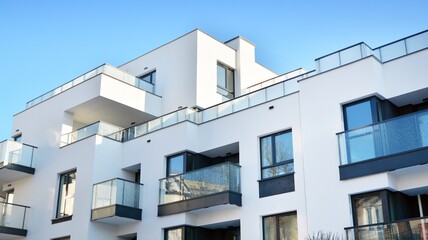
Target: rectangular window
280,227
225,81
174,233
277,154
179,164
67,186
362,113
368,208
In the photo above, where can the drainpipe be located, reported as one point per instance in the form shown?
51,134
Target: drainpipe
421,213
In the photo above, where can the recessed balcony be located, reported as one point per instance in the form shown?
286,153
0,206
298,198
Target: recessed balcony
116,201
415,229
206,187
385,146
12,220
16,160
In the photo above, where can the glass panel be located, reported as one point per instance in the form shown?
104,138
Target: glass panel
224,109
154,125
283,147
368,209
350,55
329,62
361,144
269,228
175,234
104,195
275,91
240,103
358,115
403,229
257,97
209,114
175,165
229,80
12,216
205,181
169,119
116,191
221,76
287,227
392,51
291,86
278,170
395,135
417,42
266,151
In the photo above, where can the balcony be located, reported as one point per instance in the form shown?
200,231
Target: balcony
414,229
103,69
101,128
385,146
16,160
116,201
12,220
206,187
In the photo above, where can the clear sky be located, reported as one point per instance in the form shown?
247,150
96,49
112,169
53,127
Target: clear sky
46,43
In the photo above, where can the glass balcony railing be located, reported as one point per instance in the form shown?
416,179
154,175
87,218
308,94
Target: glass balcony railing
412,229
13,215
101,128
342,57
402,47
185,114
384,53
116,192
404,133
12,152
298,74
202,182
103,69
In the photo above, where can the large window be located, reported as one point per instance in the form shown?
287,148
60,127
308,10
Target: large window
280,227
67,187
277,154
362,113
368,208
225,81
174,233
179,164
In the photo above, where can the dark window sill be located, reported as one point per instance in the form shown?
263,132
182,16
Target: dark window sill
62,219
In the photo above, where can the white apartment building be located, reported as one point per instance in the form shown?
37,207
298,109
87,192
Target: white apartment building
197,141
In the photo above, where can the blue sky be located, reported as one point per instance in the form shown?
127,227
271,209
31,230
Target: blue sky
44,44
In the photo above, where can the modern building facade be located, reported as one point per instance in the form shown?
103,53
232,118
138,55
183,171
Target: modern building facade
196,140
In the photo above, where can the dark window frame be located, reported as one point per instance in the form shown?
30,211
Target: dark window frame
230,92
277,216
58,207
384,196
375,105
186,158
183,232
274,161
